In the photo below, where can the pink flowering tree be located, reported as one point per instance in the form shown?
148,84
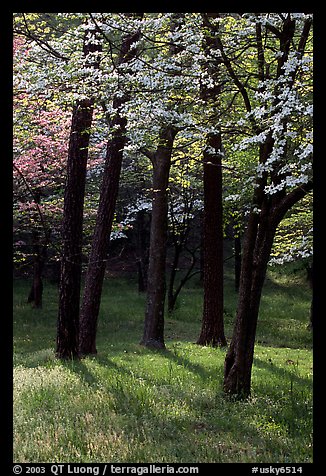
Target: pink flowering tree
41,137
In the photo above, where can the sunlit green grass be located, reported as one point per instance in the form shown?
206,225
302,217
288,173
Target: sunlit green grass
129,404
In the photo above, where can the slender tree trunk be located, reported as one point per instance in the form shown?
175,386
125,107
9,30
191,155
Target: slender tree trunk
212,331
311,285
36,292
69,292
98,255
153,336
237,262
108,196
238,363
39,256
174,293
257,246
171,295
201,251
141,251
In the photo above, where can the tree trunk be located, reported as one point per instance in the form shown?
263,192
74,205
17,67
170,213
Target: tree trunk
201,250
257,246
69,292
36,292
172,297
141,251
174,293
212,331
237,262
311,285
153,336
108,196
256,252
72,229
98,254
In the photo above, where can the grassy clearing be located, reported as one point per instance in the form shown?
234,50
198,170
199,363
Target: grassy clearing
129,404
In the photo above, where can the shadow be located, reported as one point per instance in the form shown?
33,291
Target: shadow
178,423
291,375
171,417
81,370
183,361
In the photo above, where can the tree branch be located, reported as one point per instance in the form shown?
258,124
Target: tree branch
287,202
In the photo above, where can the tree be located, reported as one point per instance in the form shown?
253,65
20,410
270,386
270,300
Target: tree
153,335
212,331
185,206
70,275
72,226
277,185
41,130
244,79
108,196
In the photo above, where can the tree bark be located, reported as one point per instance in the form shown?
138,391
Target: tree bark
69,291
172,297
36,293
72,228
212,331
98,254
257,246
141,251
153,335
108,196
310,279
237,262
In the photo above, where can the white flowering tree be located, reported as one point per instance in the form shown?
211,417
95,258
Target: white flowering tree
273,79
126,52
156,91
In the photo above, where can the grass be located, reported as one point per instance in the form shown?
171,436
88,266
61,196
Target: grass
129,404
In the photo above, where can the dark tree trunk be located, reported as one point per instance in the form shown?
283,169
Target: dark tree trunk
36,292
311,285
201,251
237,262
72,229
256,252
153,336
108,196
172,297
212,331
69,291
174,293
257,246
141,251
39,251
98,255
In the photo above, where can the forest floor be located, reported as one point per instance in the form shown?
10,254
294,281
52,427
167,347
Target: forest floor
130,404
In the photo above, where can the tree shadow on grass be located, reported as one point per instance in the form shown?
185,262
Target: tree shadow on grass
292,375
175,422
